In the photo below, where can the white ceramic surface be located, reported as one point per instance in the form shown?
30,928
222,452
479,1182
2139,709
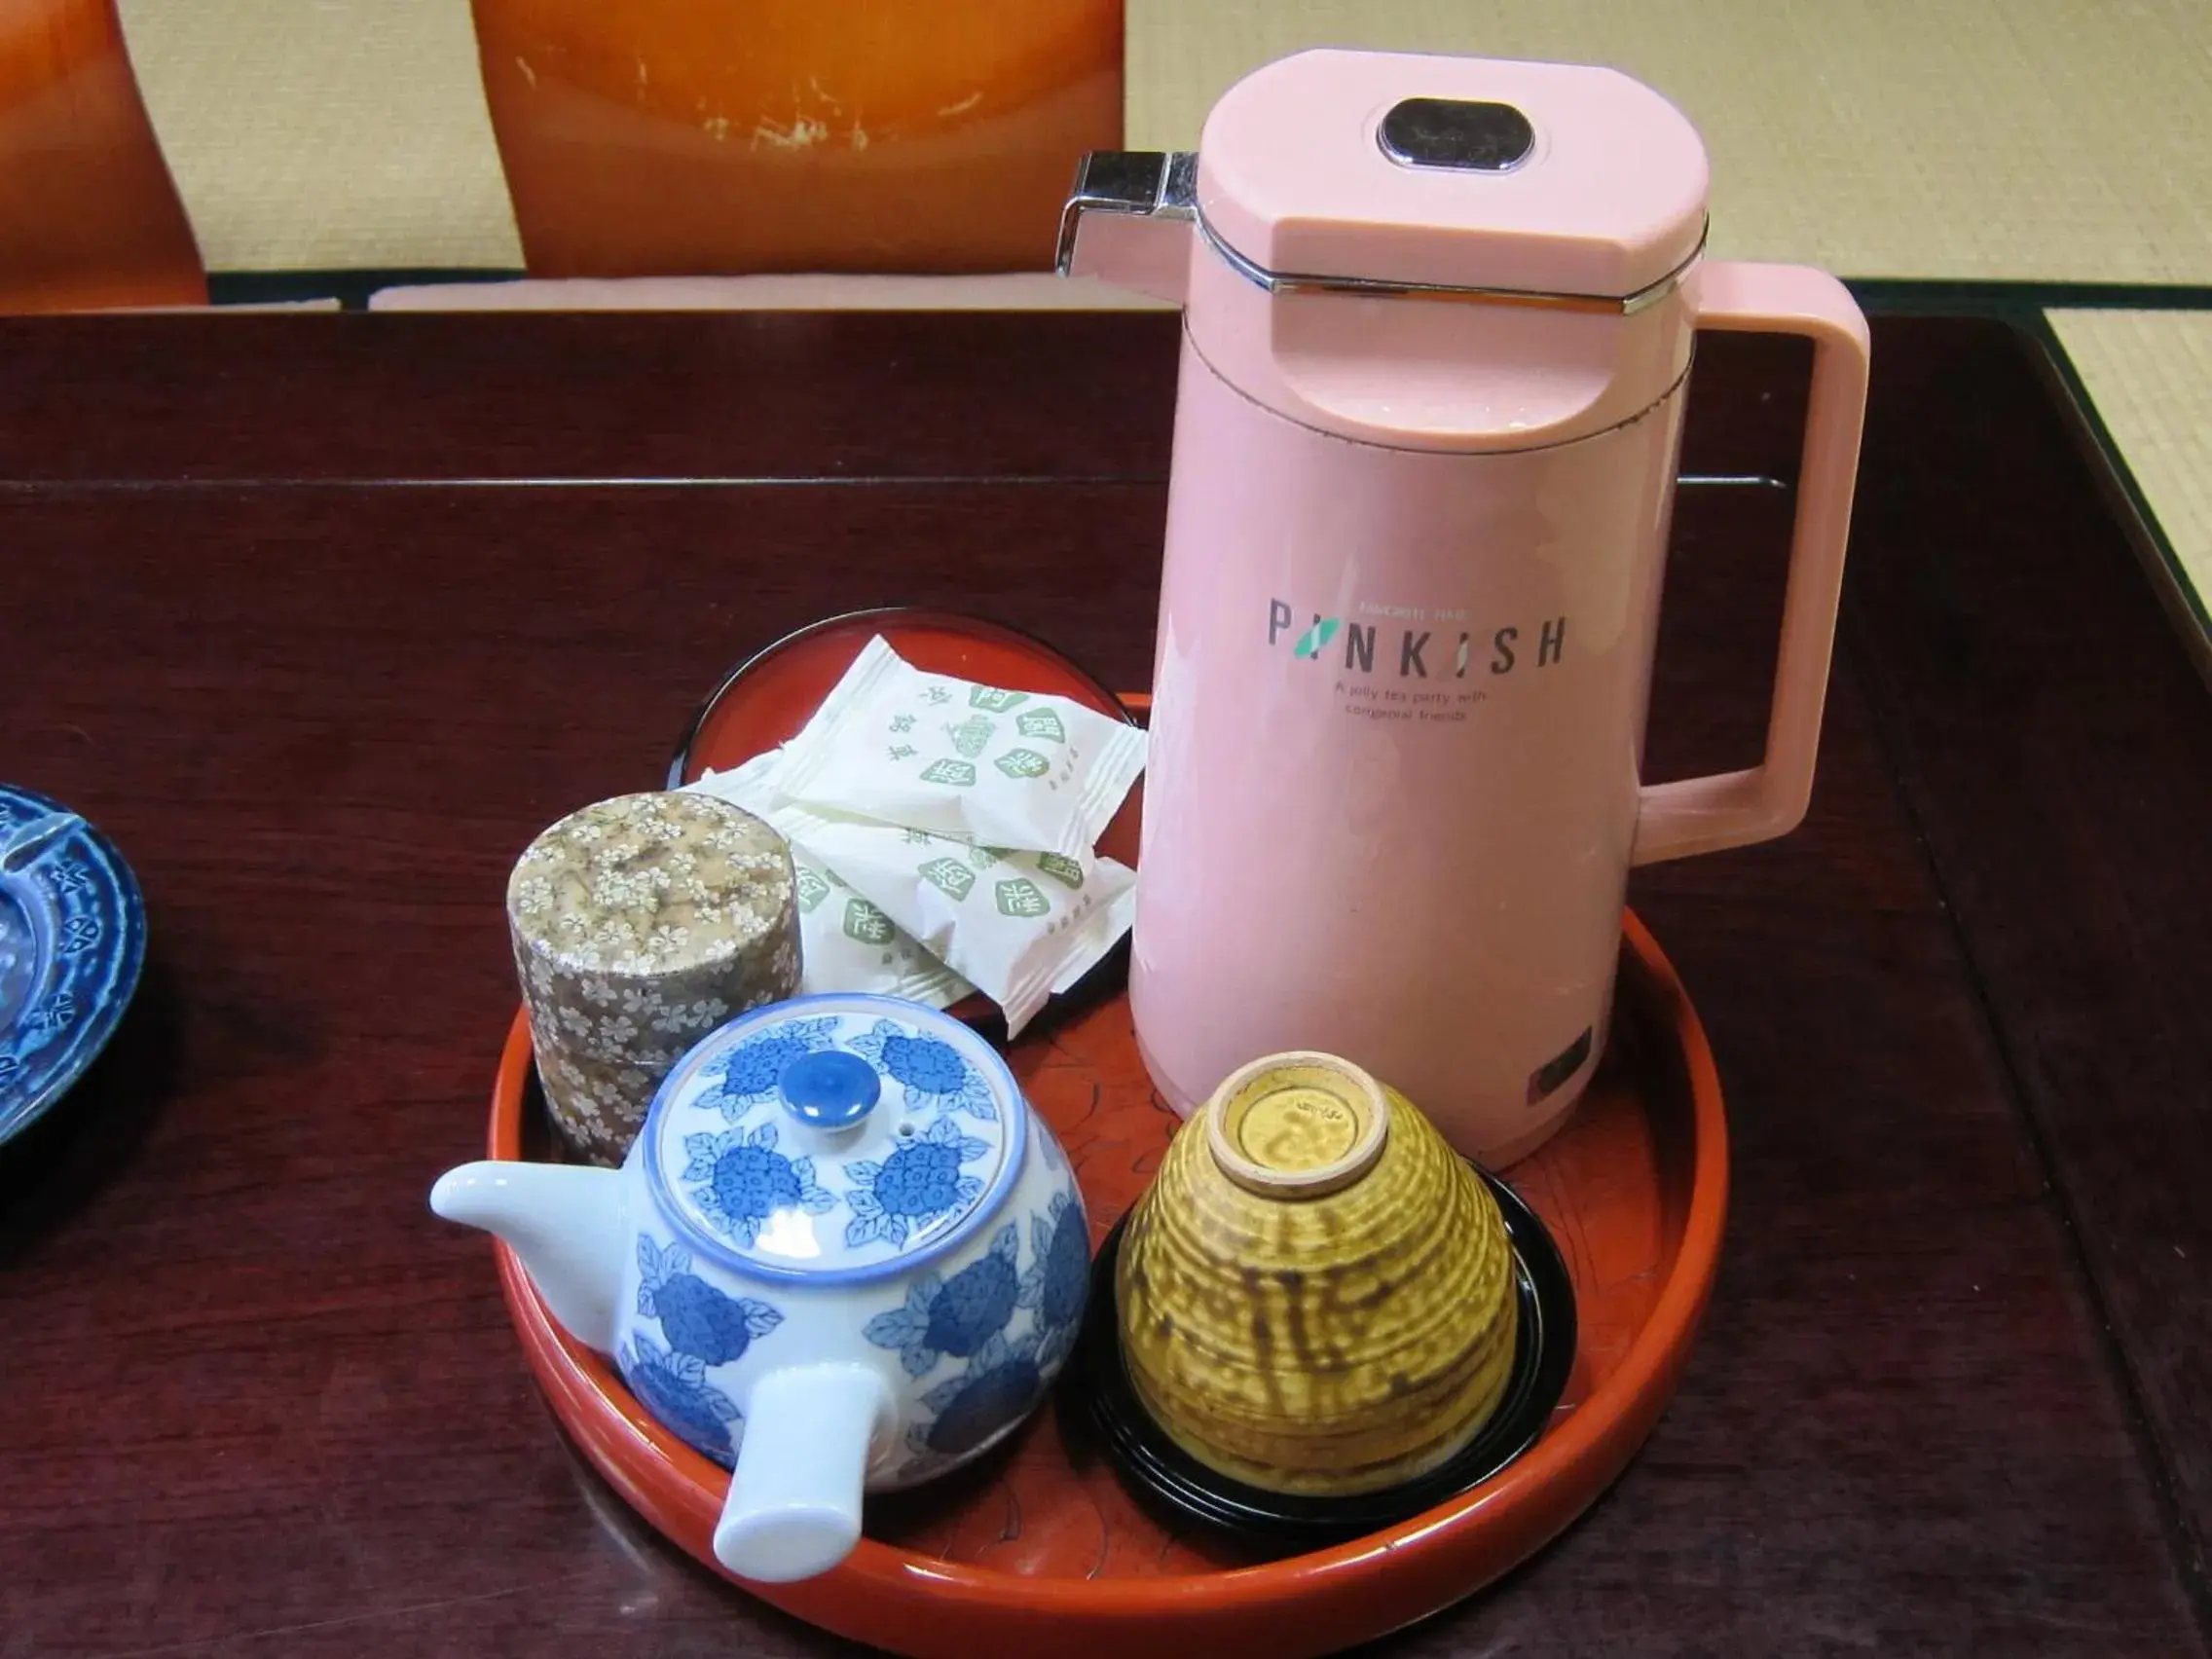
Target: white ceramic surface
842,1254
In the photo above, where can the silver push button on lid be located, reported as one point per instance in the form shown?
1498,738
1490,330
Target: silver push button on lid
1469,134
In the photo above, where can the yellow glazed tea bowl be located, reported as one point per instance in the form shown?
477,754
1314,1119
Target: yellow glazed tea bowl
1316,1295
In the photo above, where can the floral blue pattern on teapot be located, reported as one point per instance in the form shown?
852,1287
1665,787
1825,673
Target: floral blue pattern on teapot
842,1254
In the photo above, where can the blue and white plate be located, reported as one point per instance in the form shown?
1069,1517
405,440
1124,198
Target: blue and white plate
72,942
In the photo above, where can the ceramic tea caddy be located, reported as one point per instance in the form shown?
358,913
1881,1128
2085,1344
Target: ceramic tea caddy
843,1254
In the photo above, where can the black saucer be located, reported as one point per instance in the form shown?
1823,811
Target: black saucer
1162,1472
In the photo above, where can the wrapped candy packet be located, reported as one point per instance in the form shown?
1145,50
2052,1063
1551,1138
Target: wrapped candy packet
999,768
1021,925
846,942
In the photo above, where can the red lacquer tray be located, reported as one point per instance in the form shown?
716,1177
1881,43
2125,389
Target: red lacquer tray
1039,1549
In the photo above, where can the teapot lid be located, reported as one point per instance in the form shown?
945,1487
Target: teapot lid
835,1138
1555,181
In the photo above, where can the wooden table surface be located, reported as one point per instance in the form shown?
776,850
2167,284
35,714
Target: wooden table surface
321,618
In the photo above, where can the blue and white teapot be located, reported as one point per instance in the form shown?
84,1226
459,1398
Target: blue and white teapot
842,1254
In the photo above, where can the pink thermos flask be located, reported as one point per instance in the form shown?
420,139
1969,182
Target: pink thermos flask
1438,320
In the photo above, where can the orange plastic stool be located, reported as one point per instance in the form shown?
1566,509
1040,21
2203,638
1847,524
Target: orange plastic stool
728,136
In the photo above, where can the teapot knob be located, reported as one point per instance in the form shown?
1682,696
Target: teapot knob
829,1089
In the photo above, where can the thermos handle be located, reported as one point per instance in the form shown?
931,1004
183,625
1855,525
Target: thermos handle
1730,809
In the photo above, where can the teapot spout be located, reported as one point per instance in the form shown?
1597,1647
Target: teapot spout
567,1223
1130,220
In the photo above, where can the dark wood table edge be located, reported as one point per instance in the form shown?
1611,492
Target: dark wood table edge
2022,310
2185,607
2027,307
2188,1548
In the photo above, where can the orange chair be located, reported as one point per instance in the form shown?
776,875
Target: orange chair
89,217
660,137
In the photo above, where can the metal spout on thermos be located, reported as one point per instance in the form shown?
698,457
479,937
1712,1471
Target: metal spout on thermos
1131,218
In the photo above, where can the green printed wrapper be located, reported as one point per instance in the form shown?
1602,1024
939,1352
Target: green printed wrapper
977,763
1019,924
846,940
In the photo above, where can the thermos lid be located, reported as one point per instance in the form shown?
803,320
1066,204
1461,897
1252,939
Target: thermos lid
835,1138
1550,180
